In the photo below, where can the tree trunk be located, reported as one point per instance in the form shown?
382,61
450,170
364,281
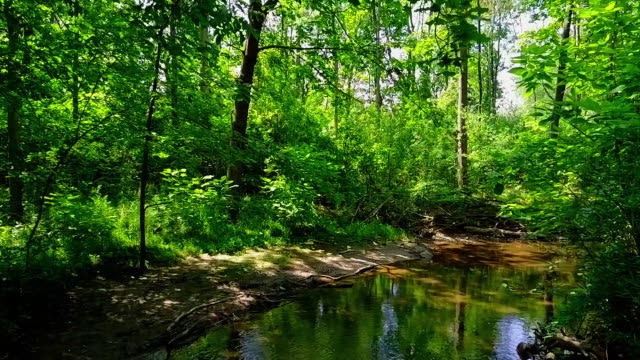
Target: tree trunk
336,70
412,65
75,85
257,15
561,82
14,105
494,64
480,87
376,70
205,77
173,73
146,151
463,102
336,95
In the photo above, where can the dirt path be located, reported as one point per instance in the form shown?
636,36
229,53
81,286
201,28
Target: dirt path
119,320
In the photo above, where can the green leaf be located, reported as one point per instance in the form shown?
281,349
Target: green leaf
589,104
517,71
618,89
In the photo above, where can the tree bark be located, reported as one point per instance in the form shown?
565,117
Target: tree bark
376,70
336,70
75,85
257,15
173,73
205,77
14,105
561,81
480,85
463,102
494,64
146,151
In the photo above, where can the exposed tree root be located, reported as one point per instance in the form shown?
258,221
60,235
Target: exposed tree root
192,310
544,347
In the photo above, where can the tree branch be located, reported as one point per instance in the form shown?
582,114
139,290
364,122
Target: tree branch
301,48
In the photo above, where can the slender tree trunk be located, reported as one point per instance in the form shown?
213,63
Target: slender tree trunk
257,15
14,105
480,85
205,75
173,73
75,66
378,62
412,65
494,63
463,102
561,81
336,95
146,151
336,70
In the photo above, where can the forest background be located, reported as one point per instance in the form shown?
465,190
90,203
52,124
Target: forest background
140,132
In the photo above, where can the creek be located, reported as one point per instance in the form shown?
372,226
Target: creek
413,310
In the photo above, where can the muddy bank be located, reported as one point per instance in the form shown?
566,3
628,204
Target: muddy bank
169,307
109,319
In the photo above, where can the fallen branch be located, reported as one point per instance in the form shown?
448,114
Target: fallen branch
546,344
194,309
190,330
342,277
495,231
569,343
348,251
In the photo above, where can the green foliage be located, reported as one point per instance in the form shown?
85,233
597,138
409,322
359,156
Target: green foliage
322,157
82,230
605,307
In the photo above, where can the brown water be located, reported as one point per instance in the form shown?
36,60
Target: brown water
456,308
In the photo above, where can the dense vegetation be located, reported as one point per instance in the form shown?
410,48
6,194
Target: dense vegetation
141,131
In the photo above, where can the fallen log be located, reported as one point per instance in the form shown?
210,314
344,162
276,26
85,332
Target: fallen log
544,347
571,344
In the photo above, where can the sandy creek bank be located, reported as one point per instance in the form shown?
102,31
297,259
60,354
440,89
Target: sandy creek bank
109,319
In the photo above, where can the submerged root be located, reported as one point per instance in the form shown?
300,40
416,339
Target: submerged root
546,345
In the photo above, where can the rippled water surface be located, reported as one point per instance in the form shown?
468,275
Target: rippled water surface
415,311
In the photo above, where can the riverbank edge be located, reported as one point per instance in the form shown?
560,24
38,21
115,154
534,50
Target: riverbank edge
348,263
144,317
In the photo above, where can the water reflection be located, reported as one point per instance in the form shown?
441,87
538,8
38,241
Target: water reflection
511,330
388,346
437,312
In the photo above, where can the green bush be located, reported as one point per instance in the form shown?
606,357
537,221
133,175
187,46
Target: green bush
608,302
81,230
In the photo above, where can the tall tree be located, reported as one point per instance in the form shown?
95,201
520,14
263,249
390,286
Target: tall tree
463,104
148,135
479,59
257,13
379,52
561,82
16,31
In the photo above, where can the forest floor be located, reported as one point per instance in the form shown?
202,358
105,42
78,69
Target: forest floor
169,307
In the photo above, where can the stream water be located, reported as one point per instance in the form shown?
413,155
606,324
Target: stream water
411,311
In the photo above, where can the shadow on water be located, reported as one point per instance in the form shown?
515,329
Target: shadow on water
412,311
